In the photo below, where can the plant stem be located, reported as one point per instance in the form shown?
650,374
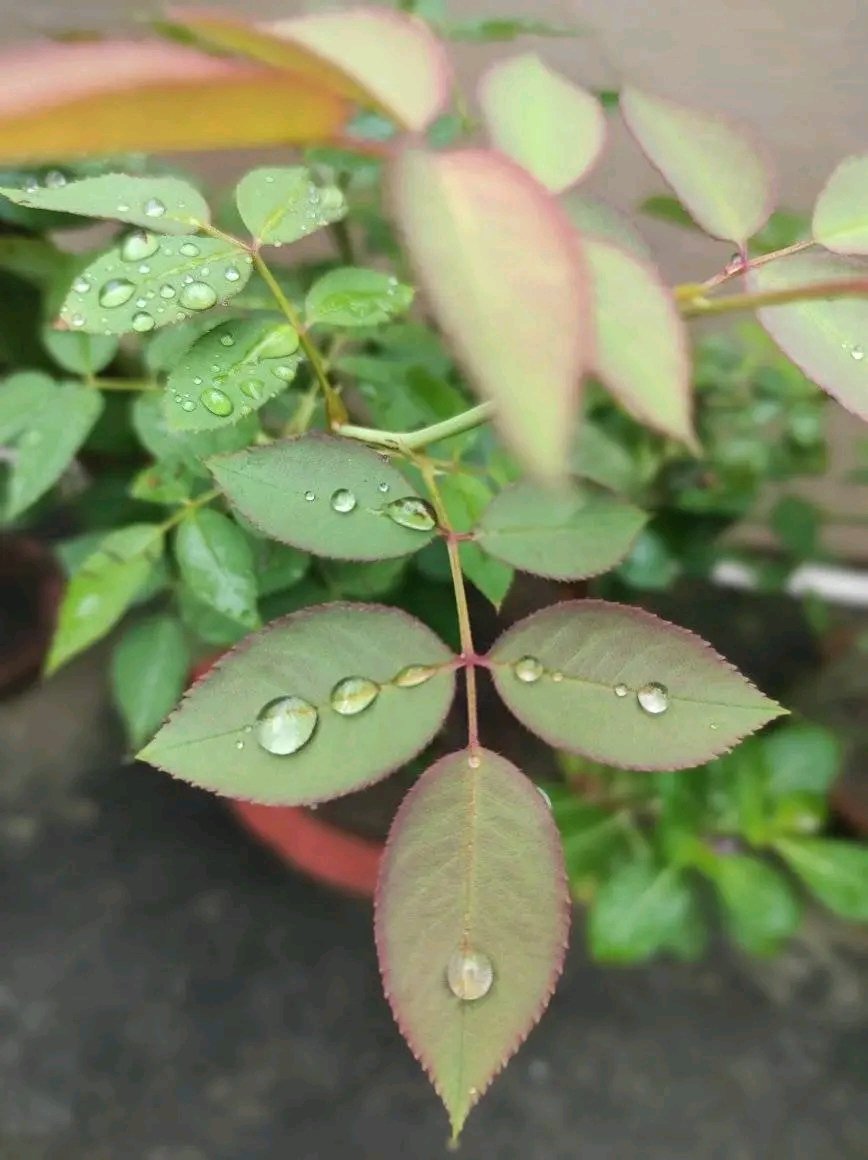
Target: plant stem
468,651
122,384
702,307
407,441
190,506
335,408
340,232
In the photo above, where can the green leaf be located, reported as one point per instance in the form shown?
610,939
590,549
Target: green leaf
83,354
551,127
159,281
801,758
292,491
465,498
186,447
488,30
760,910
229,372
165,204
840,220
651,565
592,661
278,567
350,296
784,228
149,670
356,581
825,338
216,562
168,483
797,523
603,459
565,534
53,422
597,220
103,588
837,872
520,327
214,738
593,839
641,351
666,208
637,911
34,259
718,172
473,866
283,205
163,350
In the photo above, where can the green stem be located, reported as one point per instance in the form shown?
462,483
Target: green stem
190,506
122,384
340,232
703,307
407,441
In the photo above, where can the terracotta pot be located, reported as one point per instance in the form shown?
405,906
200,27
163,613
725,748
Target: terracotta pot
31,586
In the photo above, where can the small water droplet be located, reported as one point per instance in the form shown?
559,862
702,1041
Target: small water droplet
153,208
343,501
653,698
857,353
81,285
217,402
474,761
197,382
621,690
231,274
714,726
188,405
123,207
227,340
167,291
198,296
77,320
412,512
30,184
143,322
528,670
557,676
383,487
144,268
116,292
269,179
251,388
413,675
189,249
141,303
285,725
54,179
469,975
139,244
239,744
309,496
353,695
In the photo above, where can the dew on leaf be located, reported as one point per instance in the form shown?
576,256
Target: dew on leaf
31,184
81,285
239,744
251,388
115,292
188,405
143,322
621,690
474,761
77,320
528,670
309,496
217,402
285,372
227,340
857,353
189,249
144,268
557,676
353,695
343,501
412,512
469,975
413,675
167,291
285,725
154,208
280,342
54,179
198,296
231,274
653,698
383,487
139,244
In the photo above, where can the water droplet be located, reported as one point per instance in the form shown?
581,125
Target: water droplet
81,285
167,291
189,249
528,669
557,676
54,179
188,405
144,268
143,322
198,296
469,975
251,388
621,690
857,353
653,698
279,343
227,340
309,496
474,761
231,274
269,179
77,320
116,292
141,303
412,512
353,695
239,744
413,675
123,207
217,402
153,208
285,372
30,184
139,244
343,501
714,726
383,487
285,725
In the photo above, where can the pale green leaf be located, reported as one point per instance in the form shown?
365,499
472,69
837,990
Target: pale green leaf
216,562
83,354
597,220
465,498
144,290
278,567
149,670
165,204
835,871
21,395
473,865
283,205
638,911
34,259
566,534
717,170
760,908
291,490
229,372
604,460
214,738
801,758
169,482
186,447
825,338
553,128
102,589
504,28
350,296
500,264
592,661
164,349
206,623
641,350
840,220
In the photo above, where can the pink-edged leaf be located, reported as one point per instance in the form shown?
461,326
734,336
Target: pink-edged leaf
108,96
622,686
641,351
598,220
503,270
840,221
373,56
719,172
473,870
308,750
551,127
826,337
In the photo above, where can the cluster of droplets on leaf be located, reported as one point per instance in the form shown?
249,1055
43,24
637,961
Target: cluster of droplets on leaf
652,697
409,511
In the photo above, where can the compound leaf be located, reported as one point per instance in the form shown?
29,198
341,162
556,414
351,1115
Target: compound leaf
285,204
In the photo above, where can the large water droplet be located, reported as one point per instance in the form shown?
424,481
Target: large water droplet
116,292
251,388
857,353
54,179
279,343
231,274
217,402
198,296
528,670
343,501
139,244
469,975
188,405
621,690
154,208
653,698
413,675
189,249
285,725
412,512
143,322
353,695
